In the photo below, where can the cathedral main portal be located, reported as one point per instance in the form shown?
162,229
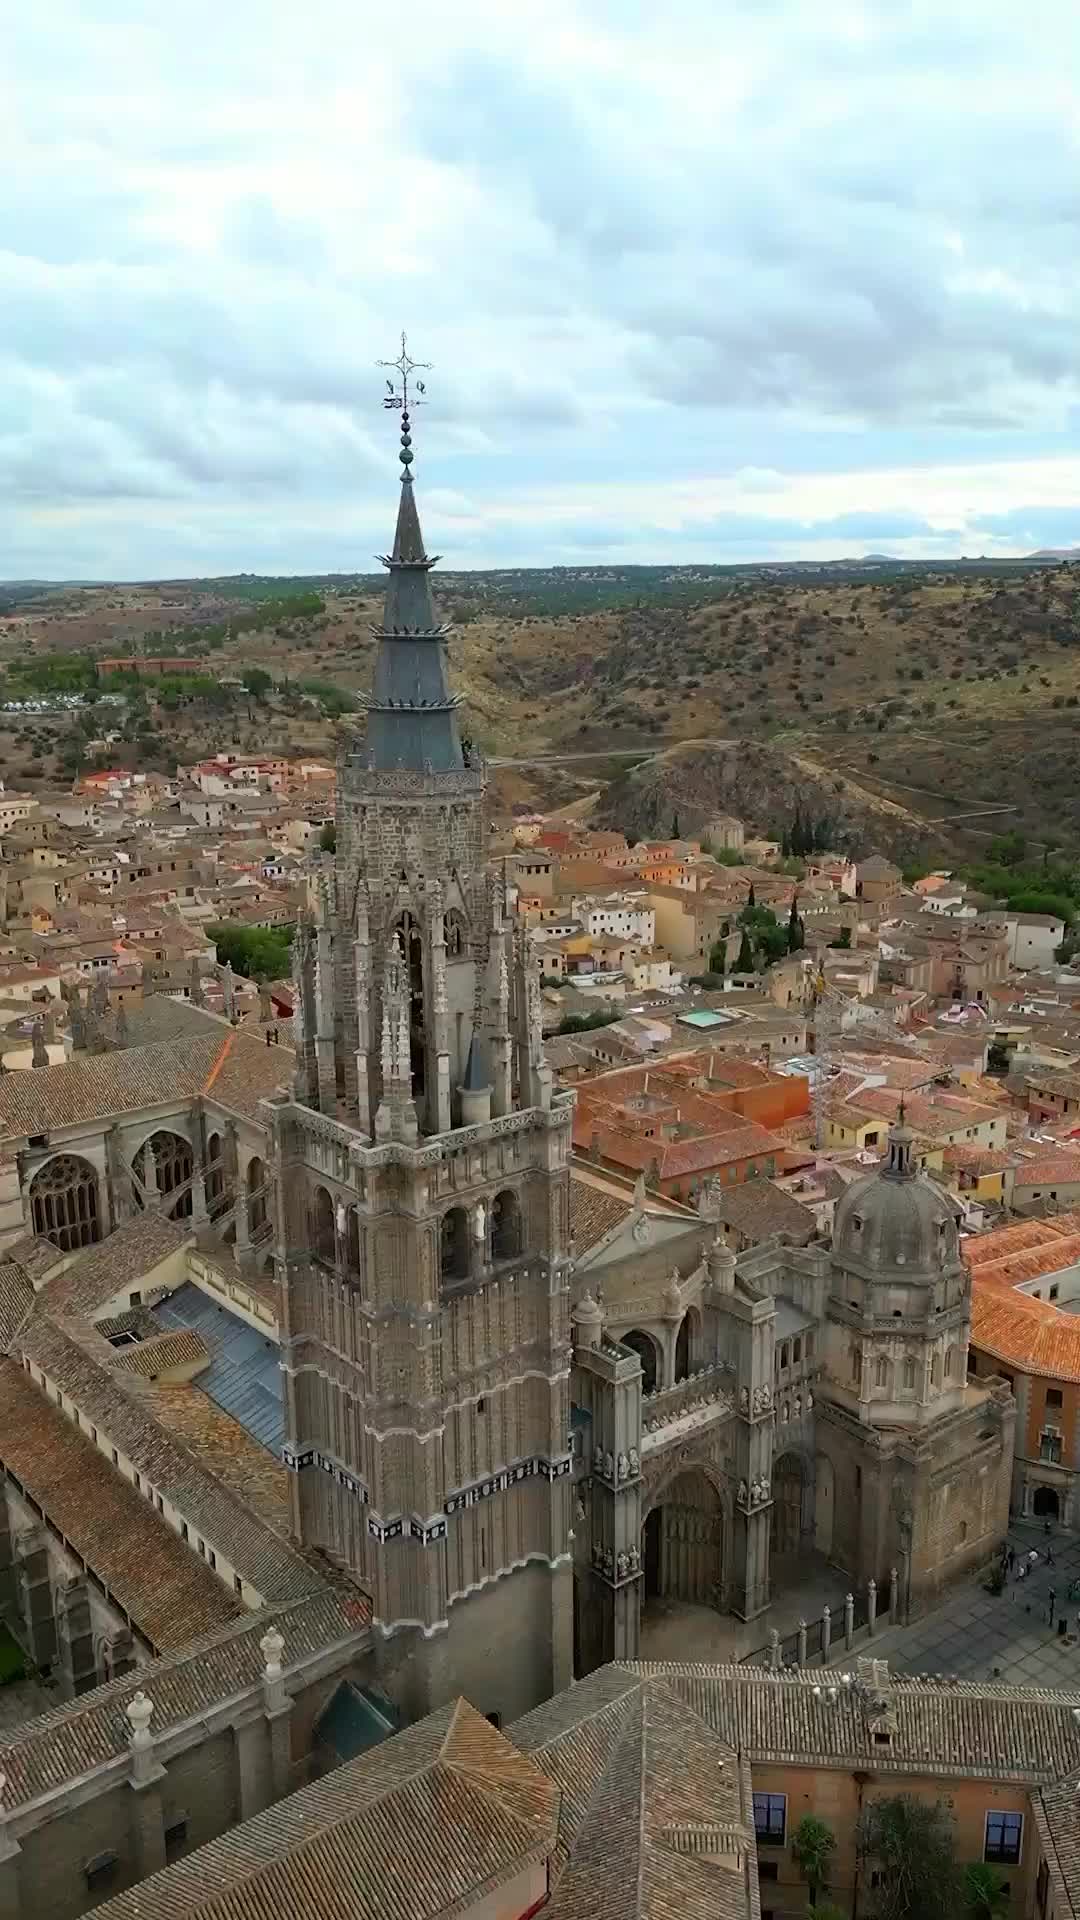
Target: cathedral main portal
682,1543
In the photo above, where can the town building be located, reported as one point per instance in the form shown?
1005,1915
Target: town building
656,1789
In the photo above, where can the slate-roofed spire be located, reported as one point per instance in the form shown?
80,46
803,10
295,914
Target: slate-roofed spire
412,715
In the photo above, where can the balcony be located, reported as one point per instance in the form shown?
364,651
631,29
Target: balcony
690,1403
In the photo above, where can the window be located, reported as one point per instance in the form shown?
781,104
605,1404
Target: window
1004,1838
770,1819
881,1371
768,1870
1054,1291
238,1585
1050,1446
175,1836
212,1557
909,1373
784,1357
1053,1397
100,1871
796,1352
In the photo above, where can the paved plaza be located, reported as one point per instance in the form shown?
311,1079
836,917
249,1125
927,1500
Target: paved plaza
973,1634
979,1637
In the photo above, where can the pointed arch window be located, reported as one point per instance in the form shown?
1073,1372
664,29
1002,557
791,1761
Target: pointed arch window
881,1371
455,935
909,1373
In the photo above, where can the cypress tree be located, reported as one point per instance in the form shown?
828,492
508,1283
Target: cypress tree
745,962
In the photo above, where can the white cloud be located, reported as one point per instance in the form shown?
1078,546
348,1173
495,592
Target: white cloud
822,260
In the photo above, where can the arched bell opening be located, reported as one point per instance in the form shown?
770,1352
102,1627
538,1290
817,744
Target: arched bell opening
412,947
506,1235
454,1244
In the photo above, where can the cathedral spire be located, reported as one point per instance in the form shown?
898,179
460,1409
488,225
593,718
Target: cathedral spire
412,715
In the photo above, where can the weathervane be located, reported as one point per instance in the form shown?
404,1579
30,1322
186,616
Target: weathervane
397,396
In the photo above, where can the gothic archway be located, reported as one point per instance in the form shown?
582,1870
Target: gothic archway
454,934
323,1237
788,1487
352,1242
648,1353
409,933
686,1344
216,1180
454,1244
1046,1504
165,1165
683,1542
258,1197
64,1202
505,1226
824,1502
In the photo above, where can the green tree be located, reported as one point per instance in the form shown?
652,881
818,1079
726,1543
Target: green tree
745,961
718,958
256,681
796,938
911,1844
675,834
328,838
843,939
997,1058
813,1845
985,1894
259,953
750,899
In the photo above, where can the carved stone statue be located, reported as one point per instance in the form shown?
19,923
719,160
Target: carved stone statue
623,1565
741,1495
635,1463
744,1399
624,1467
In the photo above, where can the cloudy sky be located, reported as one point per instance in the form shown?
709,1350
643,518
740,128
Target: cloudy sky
722,279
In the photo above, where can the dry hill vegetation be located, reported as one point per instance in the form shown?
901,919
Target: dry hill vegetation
935,691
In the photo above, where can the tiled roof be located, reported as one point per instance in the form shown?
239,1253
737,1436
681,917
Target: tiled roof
225,1448
169,1593
82,1368
1049,1170
16,1299
965,1727
757,1209
121,1261
239,1072
70,1740
594,1212
176,1347
414,1829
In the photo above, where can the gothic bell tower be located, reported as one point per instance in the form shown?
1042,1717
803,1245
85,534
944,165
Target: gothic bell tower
423,1225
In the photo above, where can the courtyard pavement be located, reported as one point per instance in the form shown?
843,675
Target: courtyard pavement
972,1634
804,1584
978,1636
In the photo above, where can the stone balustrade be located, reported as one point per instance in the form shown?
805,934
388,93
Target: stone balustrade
710,1387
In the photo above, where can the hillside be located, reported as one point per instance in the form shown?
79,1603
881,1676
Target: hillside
933,690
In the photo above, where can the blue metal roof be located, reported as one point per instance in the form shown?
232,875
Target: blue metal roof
243,1376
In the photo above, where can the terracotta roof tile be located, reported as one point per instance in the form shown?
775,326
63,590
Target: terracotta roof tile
413,1830
170,1594
121,1082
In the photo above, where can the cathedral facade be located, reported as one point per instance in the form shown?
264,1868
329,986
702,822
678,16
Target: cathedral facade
735,1416
423,1193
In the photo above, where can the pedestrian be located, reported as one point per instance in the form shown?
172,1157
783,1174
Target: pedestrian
1052,1597
1021,1571
1049,1556
1046,1526
1010,1557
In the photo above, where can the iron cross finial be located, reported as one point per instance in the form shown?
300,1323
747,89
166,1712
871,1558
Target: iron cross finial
398,397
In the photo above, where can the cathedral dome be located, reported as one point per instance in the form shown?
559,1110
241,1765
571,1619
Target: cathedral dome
897,1221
